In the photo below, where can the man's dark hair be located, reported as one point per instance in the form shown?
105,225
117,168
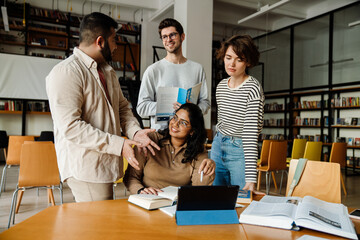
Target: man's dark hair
96,24
243,46
169,22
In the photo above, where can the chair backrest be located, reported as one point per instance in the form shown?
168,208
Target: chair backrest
313,151
3,139
298,148
277,156
125,166
264,155
38,165
46,136
319,179
14,149
338,153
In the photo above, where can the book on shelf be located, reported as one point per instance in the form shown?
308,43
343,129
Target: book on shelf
295,212
341,139
244,196
357,142
354,121
350,141
148,201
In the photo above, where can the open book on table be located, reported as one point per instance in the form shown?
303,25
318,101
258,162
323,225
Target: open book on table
166,96
148,201
295,212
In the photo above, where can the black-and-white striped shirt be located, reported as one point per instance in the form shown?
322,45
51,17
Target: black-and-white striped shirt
241,114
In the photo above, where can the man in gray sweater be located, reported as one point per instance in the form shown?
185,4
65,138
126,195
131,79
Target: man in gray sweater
172,71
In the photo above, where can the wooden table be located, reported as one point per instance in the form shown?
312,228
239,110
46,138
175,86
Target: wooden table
118,219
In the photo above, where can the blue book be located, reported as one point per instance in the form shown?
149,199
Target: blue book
244,196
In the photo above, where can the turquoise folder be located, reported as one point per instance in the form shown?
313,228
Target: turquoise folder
206,217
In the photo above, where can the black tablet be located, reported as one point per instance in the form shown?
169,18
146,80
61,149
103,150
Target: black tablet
207,197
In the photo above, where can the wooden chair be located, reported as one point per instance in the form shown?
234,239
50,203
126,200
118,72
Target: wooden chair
319,179
121,180
38,168
338,155
46,136
4,142
313,151
298,148
13,155
276,162
263,161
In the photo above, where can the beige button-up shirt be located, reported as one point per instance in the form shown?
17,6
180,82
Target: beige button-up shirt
87,126
165,168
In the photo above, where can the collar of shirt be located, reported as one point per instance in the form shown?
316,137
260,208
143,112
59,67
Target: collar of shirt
167,142
88,61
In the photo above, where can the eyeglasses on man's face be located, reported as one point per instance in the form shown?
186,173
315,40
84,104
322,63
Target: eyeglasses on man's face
172,36
179,121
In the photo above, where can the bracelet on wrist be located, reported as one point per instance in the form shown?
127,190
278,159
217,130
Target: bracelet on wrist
139,191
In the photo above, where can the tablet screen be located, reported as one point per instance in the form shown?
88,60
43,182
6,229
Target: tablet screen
207,197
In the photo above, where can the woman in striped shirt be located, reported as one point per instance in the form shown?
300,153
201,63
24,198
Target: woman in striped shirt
240,102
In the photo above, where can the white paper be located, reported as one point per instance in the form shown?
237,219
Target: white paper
167,96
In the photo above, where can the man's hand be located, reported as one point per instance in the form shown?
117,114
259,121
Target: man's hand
176,105
142,137
208,166
128,152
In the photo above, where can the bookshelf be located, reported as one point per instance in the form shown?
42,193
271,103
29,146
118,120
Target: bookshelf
47,33
15,107
54,34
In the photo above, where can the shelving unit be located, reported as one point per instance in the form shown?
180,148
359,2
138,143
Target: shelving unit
54,34
32,107
314,60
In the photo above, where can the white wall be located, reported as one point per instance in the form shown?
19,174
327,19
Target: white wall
196,18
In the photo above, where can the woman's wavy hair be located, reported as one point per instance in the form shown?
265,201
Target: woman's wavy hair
195,141
243,46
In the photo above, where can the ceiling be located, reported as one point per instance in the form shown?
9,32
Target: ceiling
227,13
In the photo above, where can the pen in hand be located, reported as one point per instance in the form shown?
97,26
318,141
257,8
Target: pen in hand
201,176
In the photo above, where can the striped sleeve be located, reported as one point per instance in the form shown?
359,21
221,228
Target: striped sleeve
252,128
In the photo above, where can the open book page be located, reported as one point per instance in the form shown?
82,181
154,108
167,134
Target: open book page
280,215
148,196
171,210
170,192
276,199
326,217
308,237
166,96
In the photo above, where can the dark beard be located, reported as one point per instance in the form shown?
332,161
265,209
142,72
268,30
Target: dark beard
105,51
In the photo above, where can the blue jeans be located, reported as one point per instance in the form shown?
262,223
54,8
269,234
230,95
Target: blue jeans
228,154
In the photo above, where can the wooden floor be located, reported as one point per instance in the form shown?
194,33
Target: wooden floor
32,204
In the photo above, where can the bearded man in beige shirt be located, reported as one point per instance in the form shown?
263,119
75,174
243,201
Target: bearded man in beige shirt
89,113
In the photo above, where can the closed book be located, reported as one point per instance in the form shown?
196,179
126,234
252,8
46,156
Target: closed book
150,202
244,196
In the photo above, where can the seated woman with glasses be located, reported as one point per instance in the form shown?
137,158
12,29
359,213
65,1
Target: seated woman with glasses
181,158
